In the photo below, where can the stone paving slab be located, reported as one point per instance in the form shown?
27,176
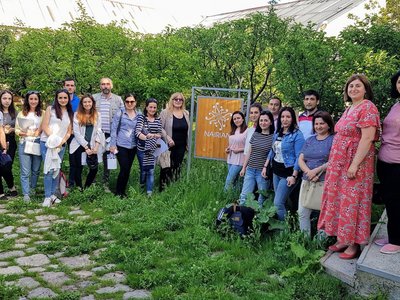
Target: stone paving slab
27,282
76,262
35,260
13,270
46,218
36,270
83,274
55,278
114,289
42,224
76,212
23,240
10,236
19,246
104,268
117,277
41,293
7,229
22,229
137,294
14,253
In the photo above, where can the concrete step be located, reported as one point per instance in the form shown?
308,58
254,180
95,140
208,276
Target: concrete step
372,272
377,271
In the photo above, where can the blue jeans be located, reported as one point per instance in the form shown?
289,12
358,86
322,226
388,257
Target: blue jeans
282,192
146,176
253,177
30,167
231,178
50,183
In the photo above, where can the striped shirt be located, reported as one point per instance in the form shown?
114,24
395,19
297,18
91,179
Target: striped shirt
105,106
143,125
260,146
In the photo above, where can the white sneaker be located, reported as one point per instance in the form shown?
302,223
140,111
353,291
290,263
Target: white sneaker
54,199
27,198
46,202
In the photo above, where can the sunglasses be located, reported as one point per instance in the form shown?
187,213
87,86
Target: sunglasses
33,92
178,99
130,102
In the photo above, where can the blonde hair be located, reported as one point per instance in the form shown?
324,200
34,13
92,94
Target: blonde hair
170,105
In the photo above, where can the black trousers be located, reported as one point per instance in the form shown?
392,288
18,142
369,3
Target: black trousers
389,175
72,171
77,162
177,155
106,171
6,173
125,159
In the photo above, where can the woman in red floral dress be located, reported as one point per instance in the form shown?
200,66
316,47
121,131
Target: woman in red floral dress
346,201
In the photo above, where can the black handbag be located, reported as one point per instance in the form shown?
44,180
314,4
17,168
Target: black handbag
92,161
5,160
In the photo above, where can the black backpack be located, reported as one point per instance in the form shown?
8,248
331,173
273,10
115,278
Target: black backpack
240,217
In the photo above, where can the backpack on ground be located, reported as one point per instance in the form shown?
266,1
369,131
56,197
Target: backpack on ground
239,217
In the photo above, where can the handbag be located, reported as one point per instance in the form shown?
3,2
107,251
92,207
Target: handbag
92,161
311,194
111,161
164,160
32,147
5,160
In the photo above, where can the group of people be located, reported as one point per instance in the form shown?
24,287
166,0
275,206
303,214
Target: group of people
94,128
332,166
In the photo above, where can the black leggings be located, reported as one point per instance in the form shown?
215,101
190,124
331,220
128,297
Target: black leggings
6,173
77,162
177,155
125,159
388,175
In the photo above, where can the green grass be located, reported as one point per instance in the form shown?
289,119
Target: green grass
169,244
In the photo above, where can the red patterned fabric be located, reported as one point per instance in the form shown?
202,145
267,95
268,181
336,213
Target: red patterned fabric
346,203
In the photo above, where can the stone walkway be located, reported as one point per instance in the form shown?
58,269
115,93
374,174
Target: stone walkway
42,275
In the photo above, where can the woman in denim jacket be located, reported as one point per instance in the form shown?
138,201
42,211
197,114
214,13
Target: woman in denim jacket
284,155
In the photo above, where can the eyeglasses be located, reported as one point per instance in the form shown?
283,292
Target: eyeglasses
178,99
130,102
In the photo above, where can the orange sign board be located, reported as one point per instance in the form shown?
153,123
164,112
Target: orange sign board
213,125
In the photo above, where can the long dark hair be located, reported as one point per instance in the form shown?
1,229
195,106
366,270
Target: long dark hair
26,107
148,101
11,108
293,125
57,106
243,127
394,93
271,119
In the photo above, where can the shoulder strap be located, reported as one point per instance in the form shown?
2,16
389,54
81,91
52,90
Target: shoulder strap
119,123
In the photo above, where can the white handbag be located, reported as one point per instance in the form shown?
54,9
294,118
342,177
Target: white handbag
111,161
32,148
83,158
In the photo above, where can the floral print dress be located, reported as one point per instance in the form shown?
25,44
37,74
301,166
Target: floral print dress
346,203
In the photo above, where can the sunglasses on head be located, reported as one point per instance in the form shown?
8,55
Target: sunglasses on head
32,93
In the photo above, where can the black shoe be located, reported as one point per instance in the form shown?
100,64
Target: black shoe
3,197
12,193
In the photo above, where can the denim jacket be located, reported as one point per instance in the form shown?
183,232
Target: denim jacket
292,144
